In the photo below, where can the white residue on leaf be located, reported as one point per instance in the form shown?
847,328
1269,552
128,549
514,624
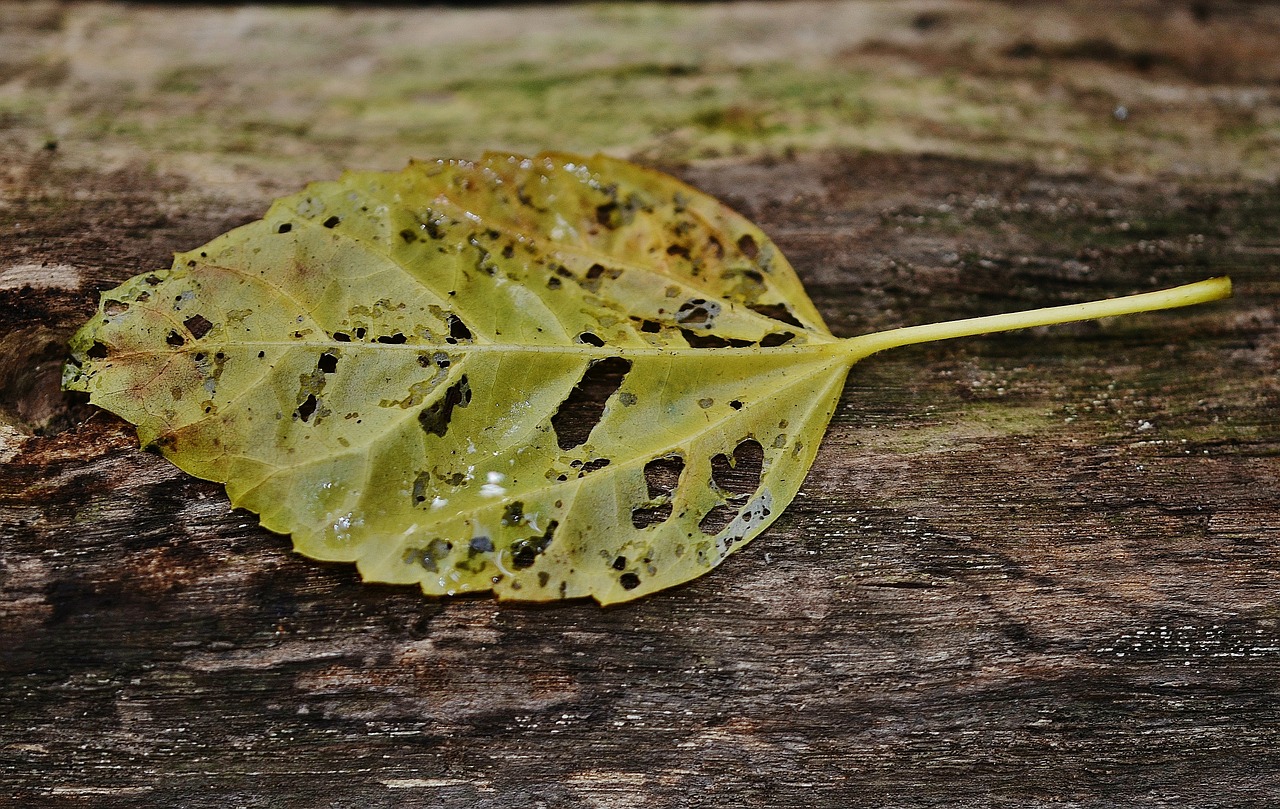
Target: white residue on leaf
493,487
439,502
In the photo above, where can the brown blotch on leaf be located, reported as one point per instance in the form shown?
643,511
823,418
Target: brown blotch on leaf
525,552
435,417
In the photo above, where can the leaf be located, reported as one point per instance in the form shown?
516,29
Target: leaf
550,377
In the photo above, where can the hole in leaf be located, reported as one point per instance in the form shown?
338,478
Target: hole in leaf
285,228
581,411
650,326
342,337
175,339
308,407
776,339
436,416
696,340
197,325
662,475
360,332
698,312
525,552
650,515
717,519
748,246
113,307
629,581
332,222
328,363
393,339
620,563
735,404
458,330
779,312
592,465
591,339
741,474
97,351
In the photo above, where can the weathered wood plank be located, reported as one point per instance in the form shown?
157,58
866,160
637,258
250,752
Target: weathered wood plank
1026,569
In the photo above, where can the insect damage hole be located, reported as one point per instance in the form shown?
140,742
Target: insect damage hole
197,325
739,476
578,414
436,416
661,476
458,331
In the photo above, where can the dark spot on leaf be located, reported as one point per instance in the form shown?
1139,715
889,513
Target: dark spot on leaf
678,250
409,236
553,283
590,339
525,552
308,407
197,325
481,545
430,556
420,487
741,474
513,514
328,363
435,417
175,339
285,228
581,411
748,246
332,222
629,581
608,215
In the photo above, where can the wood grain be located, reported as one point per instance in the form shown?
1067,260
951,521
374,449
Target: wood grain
1029,569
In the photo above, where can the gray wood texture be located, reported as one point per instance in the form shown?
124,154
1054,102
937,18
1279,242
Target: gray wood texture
1026,570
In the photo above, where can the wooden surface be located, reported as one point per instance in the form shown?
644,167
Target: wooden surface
1025,570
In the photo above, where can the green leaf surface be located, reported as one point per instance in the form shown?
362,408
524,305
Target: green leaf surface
547,377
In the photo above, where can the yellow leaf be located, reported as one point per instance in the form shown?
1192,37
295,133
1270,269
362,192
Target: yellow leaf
548,377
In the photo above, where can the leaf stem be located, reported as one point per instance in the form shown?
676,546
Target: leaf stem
1201,292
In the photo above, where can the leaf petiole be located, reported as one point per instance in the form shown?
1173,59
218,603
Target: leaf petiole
1211,289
